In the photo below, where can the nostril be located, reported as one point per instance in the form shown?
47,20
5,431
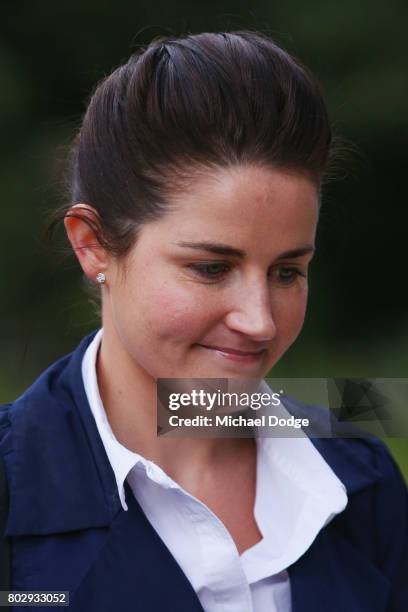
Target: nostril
258,326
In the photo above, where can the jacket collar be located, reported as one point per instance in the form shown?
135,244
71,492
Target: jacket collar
58,468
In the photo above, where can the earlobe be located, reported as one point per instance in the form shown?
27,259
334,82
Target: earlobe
81,222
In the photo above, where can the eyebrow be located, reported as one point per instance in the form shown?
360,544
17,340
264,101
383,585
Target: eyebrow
225,249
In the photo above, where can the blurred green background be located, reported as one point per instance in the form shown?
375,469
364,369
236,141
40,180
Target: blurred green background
52,54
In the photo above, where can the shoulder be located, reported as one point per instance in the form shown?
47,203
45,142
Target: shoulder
368,461
5,425
363,450
4,416
25,422
359,459
55,460
389,492
373,480
58,385
47,411
375,520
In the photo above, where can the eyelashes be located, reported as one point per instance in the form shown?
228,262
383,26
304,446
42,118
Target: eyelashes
213,271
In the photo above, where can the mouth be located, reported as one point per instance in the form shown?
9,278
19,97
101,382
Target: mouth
236,355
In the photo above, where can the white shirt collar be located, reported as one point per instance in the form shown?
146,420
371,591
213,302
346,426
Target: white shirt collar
121,458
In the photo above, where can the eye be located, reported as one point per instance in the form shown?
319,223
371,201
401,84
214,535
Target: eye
211,270
287,276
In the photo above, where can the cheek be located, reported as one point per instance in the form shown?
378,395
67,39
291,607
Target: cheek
177,313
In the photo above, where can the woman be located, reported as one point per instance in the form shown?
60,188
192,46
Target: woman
195,200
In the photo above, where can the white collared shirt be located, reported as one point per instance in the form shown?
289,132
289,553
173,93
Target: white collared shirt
297,494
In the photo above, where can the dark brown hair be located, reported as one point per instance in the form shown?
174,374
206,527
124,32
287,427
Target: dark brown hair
185,105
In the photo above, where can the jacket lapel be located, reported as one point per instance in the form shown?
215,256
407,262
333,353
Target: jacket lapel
134,571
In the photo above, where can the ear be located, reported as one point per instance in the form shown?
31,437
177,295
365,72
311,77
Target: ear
92,257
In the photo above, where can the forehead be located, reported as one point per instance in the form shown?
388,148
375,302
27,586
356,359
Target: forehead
241,205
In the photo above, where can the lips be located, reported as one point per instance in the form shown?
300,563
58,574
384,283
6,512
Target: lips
232,355
231,351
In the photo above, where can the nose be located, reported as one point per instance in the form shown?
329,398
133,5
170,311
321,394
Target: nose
251,314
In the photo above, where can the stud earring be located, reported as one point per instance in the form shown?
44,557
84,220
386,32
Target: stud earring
101,278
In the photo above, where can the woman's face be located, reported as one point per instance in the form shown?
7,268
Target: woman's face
218,286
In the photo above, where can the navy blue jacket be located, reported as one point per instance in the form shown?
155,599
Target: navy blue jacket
69,532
